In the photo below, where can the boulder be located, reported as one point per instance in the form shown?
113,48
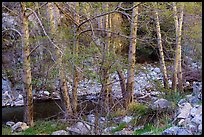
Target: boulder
108,129
192,127
160,104
10,123
197,87
91,118
124,132
194,100
185,110
80,129
127,119
200,128
19,103
60,132
196,111
19,126
182,102
197,119
176,131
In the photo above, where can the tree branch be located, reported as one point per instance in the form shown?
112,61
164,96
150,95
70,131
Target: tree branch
45,31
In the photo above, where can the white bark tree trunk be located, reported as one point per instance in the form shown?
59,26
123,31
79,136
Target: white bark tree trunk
131,57
162,62
28,99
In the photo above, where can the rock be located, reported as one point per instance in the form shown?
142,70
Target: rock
194,100
60,132
123,132
200,128
155,93
80,129
197,119
196,111
184,111
157,70
91,97
182,102
108,129
19,103
20,97
46,93
181,122
197,87
138,128
160,104
19,126
192,127
10,123
127,119
91,118
176,131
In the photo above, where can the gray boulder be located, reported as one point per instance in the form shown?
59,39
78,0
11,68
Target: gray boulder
91,118
176,131
108,129
197,87
60,132
19,126
19,103
197,119
185,110
200,128
127,119
10,123
196,111
80,129
160,104
192,128
124,132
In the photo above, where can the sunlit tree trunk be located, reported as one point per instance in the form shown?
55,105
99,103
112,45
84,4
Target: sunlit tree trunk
177,59
180,79
159,40
62,74
75,52
28,99
131,57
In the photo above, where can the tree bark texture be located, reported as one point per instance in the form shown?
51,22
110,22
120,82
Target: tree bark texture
28,99
76,73
162,62
177,58
131,58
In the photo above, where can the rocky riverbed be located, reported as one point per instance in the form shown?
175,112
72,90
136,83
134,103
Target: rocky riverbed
146,80
187,120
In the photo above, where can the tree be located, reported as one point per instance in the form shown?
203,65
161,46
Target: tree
131,57
177,59
159,40
28,98
63,82
75,53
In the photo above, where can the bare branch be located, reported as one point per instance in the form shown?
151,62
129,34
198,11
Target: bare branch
105,31
9,10
37,9
45,31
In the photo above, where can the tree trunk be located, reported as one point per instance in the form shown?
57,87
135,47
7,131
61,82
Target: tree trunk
62,74
177,59
76,73
162,62
122,82
131,58
28,99
180,79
